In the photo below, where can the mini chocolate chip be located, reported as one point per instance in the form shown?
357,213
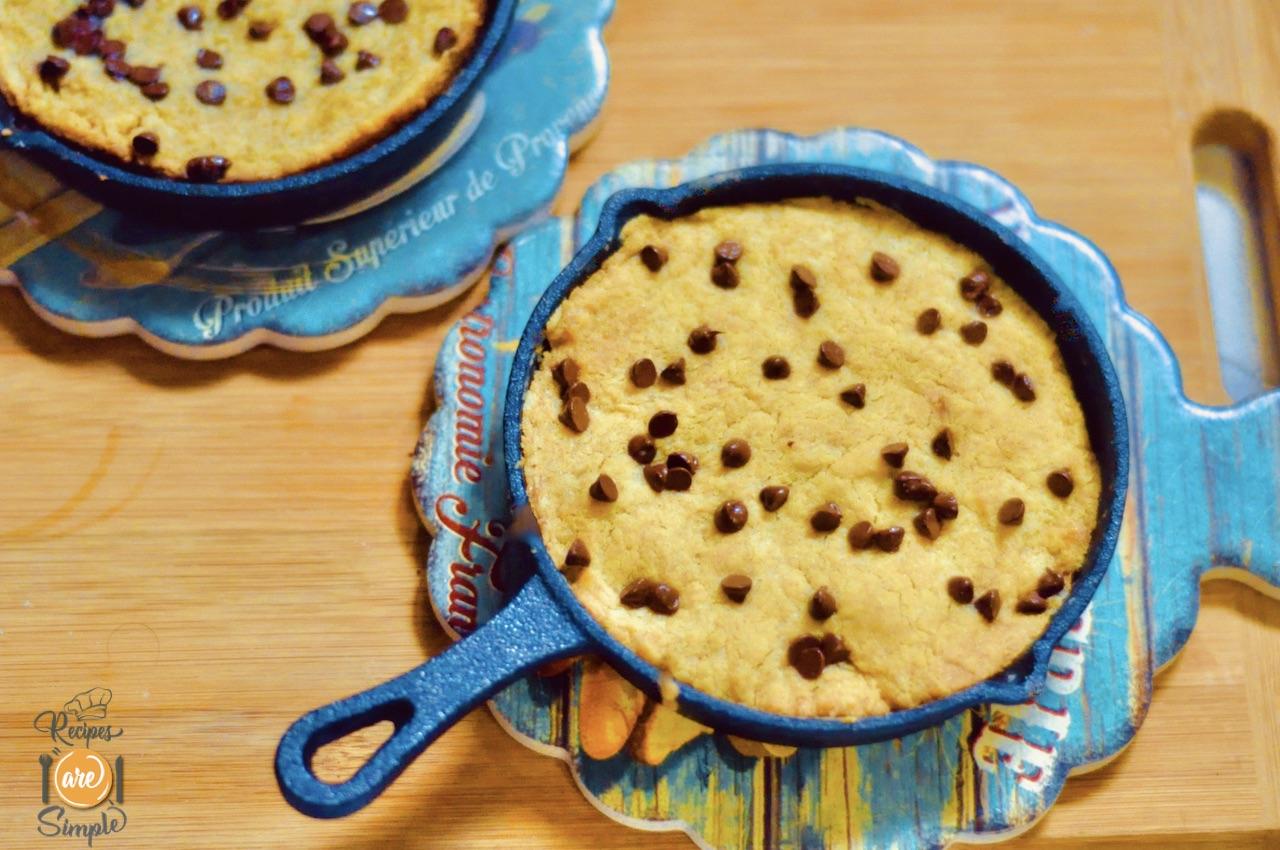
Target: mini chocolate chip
207,169
775,368
678,478
808,662
725,275
155,91
52,70
113,49
855,396
115,68
604,489
332,42
802,277
674,373
643,373
927,523
702,340
988,605
884,269
682,460
826,518
735,453
800,644
261,30
444,41
1023,388
928,321
637,593
889,539
578,390
895,454
1003,372
834,650
653,257
831,355
144,75
946,506
728,251
317,25
736,587
100,8
731,516
330,73
664,599
359,14
577,556
366,60
960,589
146,145
575,415
861,535
641,449
393,11
804,297
210,60
942,444
281,91
229,9
1060,483
974,333
1031,603
191,18
974,285
211,92
913,487
655,475
990,306
1011,512
822,605
663,424
566,373
1050,583
774,496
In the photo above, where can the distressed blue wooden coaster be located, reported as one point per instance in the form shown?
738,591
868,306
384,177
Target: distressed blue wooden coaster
1205,488
98,272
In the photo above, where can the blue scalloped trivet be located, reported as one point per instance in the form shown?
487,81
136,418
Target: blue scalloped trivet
214,294
1206,494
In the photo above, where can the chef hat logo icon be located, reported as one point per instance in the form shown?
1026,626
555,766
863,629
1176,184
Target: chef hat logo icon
89,705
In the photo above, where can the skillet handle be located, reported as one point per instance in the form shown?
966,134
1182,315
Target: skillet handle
423,703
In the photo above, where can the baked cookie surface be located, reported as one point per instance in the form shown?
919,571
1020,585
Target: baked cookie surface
714,450
237,90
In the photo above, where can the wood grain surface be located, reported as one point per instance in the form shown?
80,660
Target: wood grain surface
227,545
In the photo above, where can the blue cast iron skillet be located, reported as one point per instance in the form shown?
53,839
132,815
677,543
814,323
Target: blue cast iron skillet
544,620
265,203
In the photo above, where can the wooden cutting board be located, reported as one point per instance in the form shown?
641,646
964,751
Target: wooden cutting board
225,545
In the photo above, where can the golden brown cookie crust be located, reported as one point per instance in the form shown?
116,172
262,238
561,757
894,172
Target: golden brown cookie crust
910,641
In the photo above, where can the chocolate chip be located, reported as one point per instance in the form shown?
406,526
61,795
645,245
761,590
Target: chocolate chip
444,41
822,605
146,145
861,535
100,8
989,306
826,518
281,91
988,605
895,454
855,396
330,73
641,449
889,539
802,643
317,25
731,517
974,333
1060,483
831,355
702,340
678,478
946,506
604,489
1051,583
725,275
366,60
728,252
577,556
655,475
942,444
775,368
261,30
928,524
575,415
155,91
644,373
210,60
332,42
211,92
884,269
682,460
116,69
974,285
653,257
736,587
1023,388
808,661
393,11
144,75
52,70
207,169
1003,372
578,390
113,49
359,14
664,599
566,373
674,373
636,594
1031,603
928,321
834,650
960,589
1011,512
191,18
774,496
735,453
229,9
913,487
663,424
804,297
